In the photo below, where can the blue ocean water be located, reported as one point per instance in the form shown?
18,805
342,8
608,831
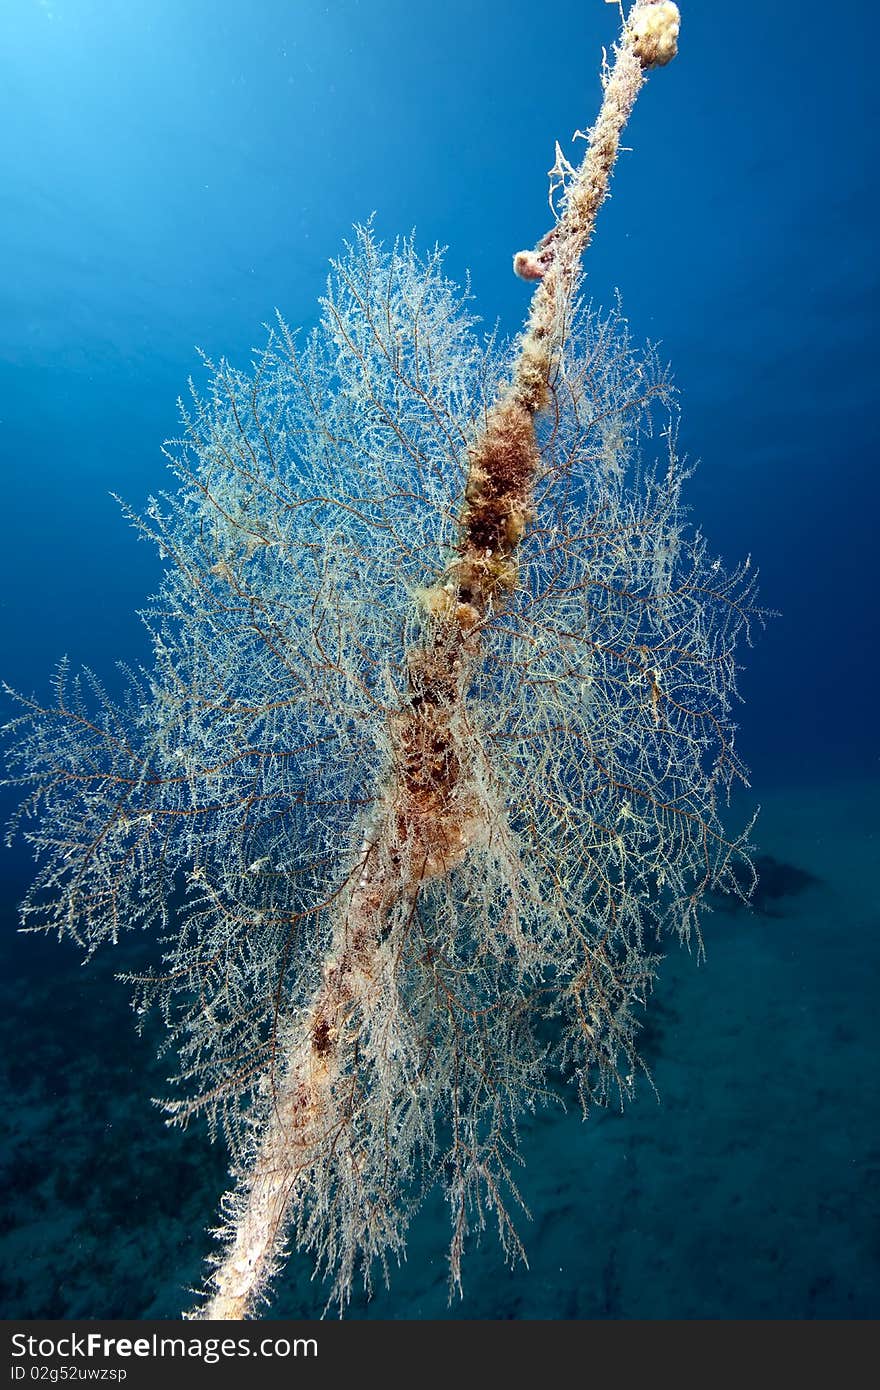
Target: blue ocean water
172,172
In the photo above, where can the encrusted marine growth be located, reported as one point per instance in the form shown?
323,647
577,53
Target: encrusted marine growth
434,739
433,810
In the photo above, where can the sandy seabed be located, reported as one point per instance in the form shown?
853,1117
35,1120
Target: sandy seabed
747,1187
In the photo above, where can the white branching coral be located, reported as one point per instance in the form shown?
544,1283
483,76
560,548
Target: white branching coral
436,738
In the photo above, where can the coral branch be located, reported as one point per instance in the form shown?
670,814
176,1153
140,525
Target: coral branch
433,812
431,751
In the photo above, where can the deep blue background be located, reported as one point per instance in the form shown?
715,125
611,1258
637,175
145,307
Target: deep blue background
172,171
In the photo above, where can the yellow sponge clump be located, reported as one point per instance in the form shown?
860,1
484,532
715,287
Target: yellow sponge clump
654,33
